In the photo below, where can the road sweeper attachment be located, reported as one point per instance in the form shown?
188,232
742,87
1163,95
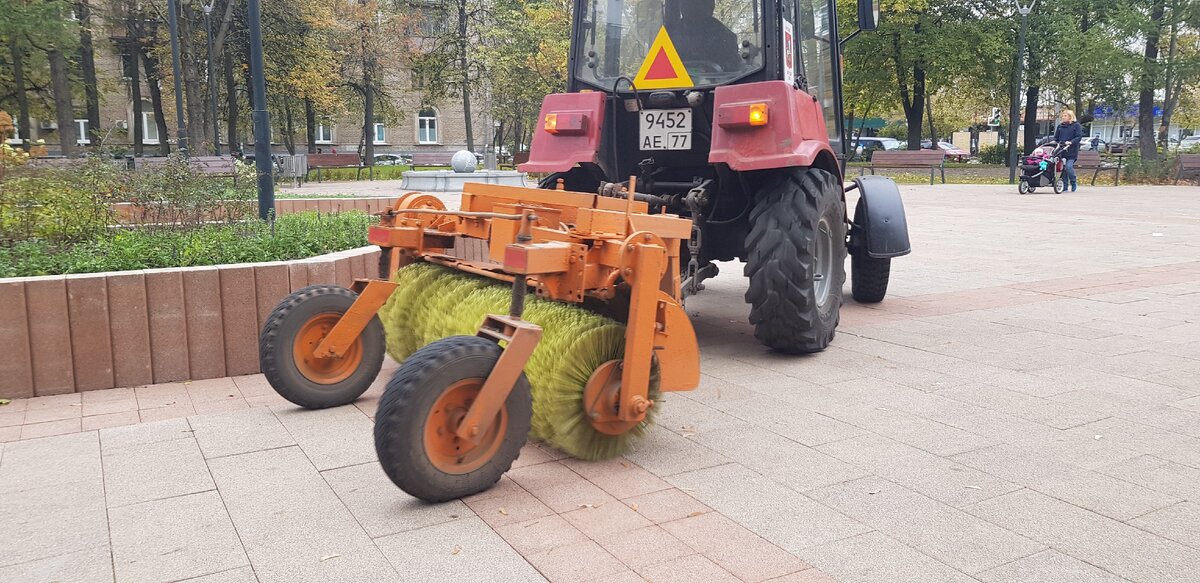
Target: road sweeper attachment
580,365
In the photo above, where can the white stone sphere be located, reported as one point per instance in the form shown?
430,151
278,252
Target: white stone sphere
463,161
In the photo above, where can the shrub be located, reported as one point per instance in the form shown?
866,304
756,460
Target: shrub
993,154
174,194
60,205
1137,169
294,236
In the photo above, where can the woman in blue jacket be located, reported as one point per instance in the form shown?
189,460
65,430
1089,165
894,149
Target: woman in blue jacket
1069,131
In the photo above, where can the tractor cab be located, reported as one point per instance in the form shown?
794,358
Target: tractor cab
674,54
727,112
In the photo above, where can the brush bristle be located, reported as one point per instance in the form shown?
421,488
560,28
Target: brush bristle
434,302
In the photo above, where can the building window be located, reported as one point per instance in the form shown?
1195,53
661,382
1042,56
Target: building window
16,133
149,126
324,133
380,134
427,127
81,125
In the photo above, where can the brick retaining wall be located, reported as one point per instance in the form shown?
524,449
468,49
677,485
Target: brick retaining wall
74,333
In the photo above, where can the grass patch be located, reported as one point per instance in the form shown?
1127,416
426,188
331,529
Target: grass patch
294,236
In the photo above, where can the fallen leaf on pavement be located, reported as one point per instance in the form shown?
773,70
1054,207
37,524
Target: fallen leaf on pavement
457,549
4,401
696,513
504,512
587,506
634,507
327,557
973,487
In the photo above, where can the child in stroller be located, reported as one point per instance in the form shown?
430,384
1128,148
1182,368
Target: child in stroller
1042,167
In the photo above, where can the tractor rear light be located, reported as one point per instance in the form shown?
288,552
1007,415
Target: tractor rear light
566,124
743,115
758,114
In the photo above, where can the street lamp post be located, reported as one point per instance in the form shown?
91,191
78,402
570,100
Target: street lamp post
173,25
212,81
1016,92
262,121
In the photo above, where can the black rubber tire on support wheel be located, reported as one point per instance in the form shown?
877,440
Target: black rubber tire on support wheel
781,252
869,278
407,404
277,355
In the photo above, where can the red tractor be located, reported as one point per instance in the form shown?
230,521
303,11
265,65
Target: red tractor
729,112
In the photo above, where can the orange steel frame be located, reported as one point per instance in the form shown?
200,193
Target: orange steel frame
575,247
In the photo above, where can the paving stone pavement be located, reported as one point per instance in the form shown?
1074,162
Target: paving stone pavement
1024,407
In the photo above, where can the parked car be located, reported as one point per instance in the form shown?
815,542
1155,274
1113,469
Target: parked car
392,160
1122,146
866,145
1189,144
952,152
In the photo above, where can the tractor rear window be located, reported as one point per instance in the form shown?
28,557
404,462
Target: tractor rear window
716,42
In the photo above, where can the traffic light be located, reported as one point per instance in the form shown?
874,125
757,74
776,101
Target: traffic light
994,119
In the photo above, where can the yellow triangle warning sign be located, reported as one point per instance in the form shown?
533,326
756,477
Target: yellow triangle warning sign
662,68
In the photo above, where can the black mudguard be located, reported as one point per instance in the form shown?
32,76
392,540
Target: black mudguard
880,227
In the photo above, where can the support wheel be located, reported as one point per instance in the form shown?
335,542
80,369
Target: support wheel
421,408
869,278
796,253
1023,187
294,330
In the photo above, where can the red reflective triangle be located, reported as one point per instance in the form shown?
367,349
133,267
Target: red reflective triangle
661,68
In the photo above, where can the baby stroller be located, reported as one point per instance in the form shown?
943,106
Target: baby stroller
1042,168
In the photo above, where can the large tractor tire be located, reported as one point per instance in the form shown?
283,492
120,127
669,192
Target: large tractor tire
421,408
795,260
293,331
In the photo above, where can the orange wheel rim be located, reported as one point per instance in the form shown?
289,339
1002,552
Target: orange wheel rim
323,371
446,451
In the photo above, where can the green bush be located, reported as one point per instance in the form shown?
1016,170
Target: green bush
293,236
175,194
993,154
60,205
1137,169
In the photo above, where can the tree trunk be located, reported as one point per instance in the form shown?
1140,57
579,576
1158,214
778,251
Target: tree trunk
135,91
912,100
1031,124
160,117
18,67
368,139
1171,95
199,136
933,137
913,111
289,128
310,126
466,73
1077,85
1146,133
231,113
64,109
87,62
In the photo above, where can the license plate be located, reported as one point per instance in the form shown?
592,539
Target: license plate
666,129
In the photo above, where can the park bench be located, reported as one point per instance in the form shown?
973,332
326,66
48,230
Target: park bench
206,165
1090,160
432,158
934,160
319,161
1187,163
